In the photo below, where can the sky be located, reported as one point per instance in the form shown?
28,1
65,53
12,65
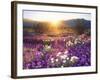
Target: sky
54,16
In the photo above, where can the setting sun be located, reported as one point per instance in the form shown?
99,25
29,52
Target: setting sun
55,23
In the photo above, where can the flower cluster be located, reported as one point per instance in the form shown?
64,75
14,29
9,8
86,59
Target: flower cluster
69,51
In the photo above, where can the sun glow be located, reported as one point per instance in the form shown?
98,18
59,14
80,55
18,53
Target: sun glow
55,23
55,26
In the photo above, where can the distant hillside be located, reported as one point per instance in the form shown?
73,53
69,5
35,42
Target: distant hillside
81,22
78,26
71,23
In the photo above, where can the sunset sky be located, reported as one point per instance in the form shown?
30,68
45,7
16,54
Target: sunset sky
54,16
